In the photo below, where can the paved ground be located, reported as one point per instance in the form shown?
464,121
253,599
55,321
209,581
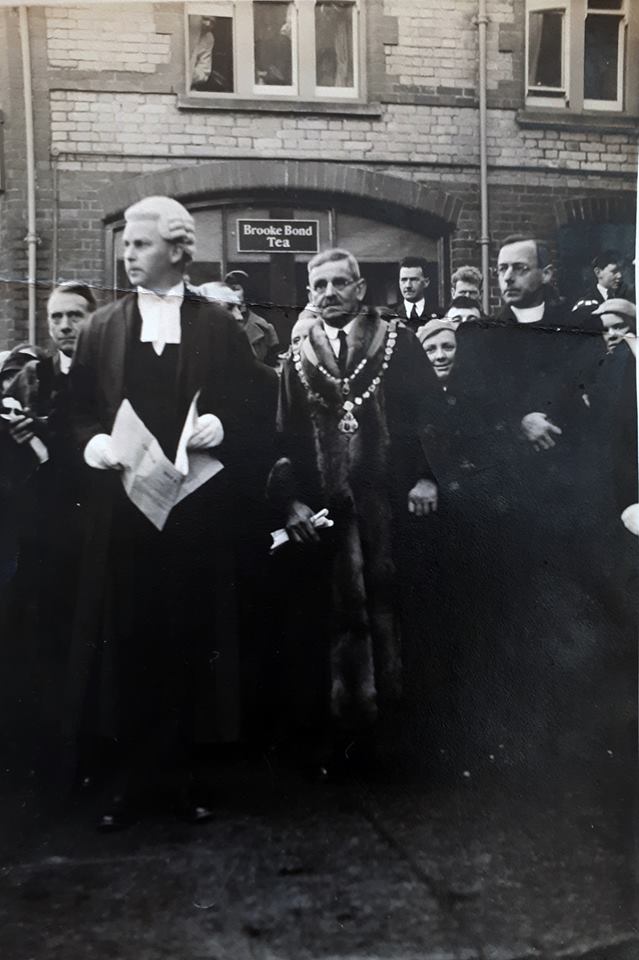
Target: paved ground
479,867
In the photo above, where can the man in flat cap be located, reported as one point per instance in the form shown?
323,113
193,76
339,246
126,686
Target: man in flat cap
261,334
156,611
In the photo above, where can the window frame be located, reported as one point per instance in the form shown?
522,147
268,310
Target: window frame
561,97
304,86
330,93
573,53
622,15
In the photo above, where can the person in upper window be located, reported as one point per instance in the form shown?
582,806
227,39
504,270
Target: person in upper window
211,54
413,308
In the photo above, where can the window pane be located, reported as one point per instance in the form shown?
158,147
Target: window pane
273,26
605,4
545,52
601,54
334,44
211,53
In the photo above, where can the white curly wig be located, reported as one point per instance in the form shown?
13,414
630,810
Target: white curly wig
174,221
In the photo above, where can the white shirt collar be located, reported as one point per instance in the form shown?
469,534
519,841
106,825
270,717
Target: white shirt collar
420,306
333,332
602,291
65,362
529,314
161,316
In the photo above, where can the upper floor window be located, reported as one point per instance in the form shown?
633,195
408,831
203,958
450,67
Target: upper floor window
308,49
576,53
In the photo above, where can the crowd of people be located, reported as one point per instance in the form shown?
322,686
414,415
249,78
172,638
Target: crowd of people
449,485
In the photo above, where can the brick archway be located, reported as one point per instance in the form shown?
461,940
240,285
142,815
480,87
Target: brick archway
380,196
593,209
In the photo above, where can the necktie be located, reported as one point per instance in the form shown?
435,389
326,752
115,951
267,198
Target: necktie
413,313
343,353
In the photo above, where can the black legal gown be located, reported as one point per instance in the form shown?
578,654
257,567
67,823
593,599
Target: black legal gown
168,673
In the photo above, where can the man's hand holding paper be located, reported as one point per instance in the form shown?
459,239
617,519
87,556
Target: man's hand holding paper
151,481
99,454
208,432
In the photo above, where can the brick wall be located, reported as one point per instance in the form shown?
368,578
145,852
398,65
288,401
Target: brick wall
437,50
109,124
107,84
100,38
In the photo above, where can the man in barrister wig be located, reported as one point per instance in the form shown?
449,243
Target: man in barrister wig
156,621
354,409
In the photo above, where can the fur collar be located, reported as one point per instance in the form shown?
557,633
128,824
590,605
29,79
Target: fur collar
317,348
367,340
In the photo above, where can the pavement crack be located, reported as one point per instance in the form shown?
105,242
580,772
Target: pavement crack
445,897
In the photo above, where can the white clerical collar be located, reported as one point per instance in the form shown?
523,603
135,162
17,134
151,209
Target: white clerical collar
161,316
65,362
333,332
602,291
420,306
529,314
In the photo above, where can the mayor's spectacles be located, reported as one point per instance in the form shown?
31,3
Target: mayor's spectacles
338,283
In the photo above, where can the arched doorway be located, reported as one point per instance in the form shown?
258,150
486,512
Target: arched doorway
378,217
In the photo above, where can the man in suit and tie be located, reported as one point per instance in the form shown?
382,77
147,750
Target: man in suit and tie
157,608
413,283
356,400
608,275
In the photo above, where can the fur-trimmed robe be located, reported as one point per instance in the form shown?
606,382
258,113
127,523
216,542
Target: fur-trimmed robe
364,480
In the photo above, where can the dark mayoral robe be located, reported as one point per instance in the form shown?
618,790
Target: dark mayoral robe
155,636
350,659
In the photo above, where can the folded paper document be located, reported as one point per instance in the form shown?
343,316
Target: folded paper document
151,481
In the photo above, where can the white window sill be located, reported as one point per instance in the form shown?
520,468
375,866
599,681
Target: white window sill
562,119
341,106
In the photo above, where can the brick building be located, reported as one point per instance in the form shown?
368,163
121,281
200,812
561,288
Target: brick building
360,115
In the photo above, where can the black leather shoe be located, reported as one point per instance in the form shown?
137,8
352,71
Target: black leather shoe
121,814
192,805
195,813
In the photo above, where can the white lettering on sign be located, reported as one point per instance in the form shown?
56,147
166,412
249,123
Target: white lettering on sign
294,236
